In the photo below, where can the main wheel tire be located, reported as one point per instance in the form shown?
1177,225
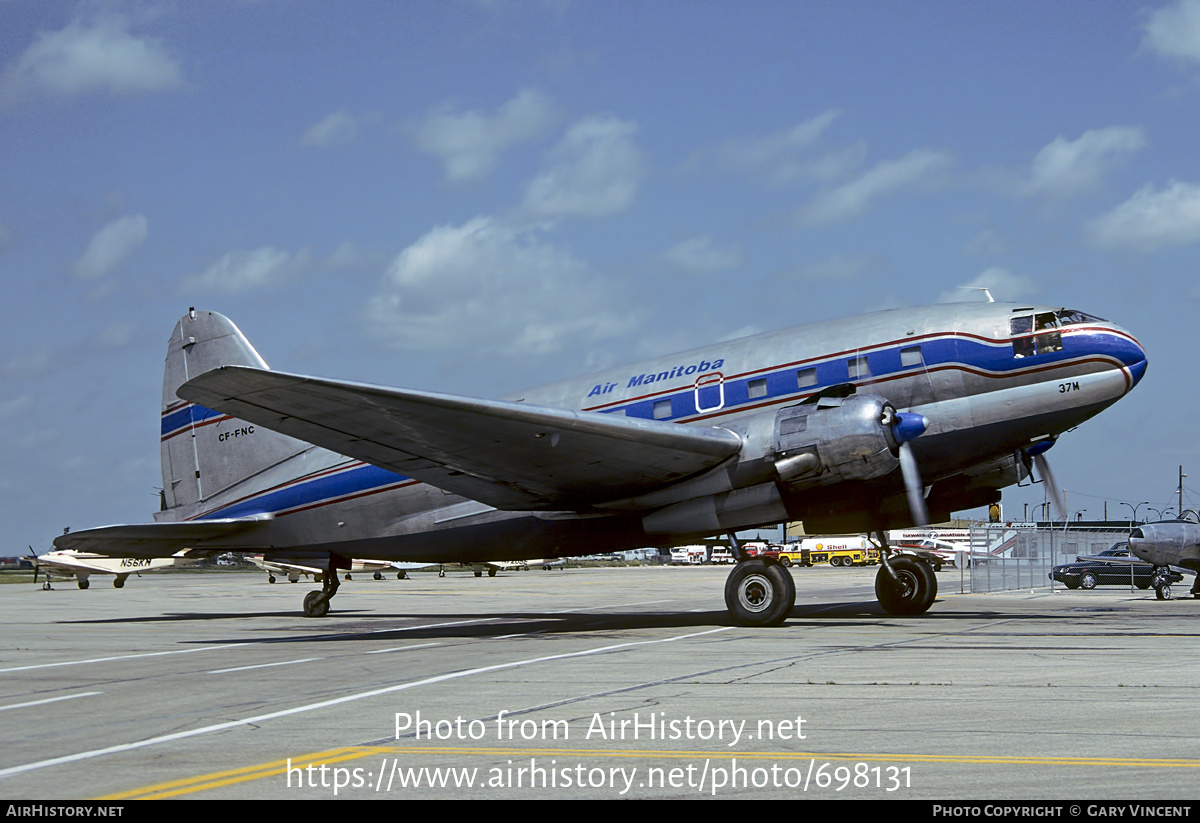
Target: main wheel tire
758,593
270,578
479,573
378,575
916,591
83,584
400,575
119,581
1163,592
491,572
1087,580
316,604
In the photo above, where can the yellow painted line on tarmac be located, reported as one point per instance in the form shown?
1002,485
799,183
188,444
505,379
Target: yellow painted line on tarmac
191,785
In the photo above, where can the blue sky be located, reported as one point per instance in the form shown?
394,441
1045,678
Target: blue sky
482,196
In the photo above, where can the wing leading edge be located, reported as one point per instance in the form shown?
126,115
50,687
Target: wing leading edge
164,539
514,456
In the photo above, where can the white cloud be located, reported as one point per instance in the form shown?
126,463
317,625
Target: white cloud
90,57
487,285
1152,219
699,256
1003,285
240,270
785,155
469,142
595,170
884,178
112,245
1065,166
338,127
1174,31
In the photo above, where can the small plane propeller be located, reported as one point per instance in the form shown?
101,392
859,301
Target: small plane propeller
36,566
906,427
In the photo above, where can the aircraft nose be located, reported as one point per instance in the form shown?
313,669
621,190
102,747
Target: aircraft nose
1137,369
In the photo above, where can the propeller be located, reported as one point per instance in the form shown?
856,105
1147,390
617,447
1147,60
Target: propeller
906,427
1052,489
36,566
1038,452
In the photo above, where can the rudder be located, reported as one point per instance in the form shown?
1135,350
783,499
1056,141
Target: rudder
204,452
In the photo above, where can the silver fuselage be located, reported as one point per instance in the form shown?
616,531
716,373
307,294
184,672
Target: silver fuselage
987,396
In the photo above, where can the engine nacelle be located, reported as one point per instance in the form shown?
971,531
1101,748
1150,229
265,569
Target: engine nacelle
834,440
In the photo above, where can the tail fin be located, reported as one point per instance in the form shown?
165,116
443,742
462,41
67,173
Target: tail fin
205,453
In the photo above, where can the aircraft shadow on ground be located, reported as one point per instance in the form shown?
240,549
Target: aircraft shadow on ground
351,625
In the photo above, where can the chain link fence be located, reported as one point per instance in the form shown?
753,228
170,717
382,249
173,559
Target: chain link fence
1007,558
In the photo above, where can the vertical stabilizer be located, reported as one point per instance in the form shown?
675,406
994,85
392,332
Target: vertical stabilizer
206,453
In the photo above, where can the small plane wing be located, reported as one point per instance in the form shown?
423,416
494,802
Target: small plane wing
511,455
157,539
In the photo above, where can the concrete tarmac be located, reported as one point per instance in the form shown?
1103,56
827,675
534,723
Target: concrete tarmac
592,683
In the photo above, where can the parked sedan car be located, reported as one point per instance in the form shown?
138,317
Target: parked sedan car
1088,574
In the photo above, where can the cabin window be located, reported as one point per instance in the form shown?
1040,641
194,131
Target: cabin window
1072,317
757,388
806,378
662,409
857,367
910,357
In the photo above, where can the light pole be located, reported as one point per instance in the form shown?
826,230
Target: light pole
1135,508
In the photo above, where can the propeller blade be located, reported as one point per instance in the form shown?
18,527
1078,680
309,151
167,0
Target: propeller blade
1052,489
36,566
913,485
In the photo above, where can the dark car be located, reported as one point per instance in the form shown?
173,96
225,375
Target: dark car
1088,574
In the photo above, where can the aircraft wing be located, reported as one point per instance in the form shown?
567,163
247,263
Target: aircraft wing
511,455
159,539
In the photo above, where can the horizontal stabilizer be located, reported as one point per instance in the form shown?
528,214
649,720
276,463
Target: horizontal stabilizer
165,539
511,455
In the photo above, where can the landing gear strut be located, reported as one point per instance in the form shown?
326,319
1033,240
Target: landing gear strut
316,604
1161,581
904,585
758,592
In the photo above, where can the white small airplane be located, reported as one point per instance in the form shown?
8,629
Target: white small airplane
855,425
68,564
294,571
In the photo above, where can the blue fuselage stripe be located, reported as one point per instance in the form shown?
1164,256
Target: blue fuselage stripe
945,351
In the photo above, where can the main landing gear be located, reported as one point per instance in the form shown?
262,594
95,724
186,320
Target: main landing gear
759,591
904,585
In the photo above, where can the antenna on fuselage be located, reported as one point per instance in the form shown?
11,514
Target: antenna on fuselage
982,289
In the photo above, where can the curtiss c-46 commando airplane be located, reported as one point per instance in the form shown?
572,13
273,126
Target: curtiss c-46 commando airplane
854,425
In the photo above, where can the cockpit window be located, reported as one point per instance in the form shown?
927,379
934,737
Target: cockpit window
1047,338
1073,317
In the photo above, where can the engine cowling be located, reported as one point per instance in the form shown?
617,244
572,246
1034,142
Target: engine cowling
836,439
